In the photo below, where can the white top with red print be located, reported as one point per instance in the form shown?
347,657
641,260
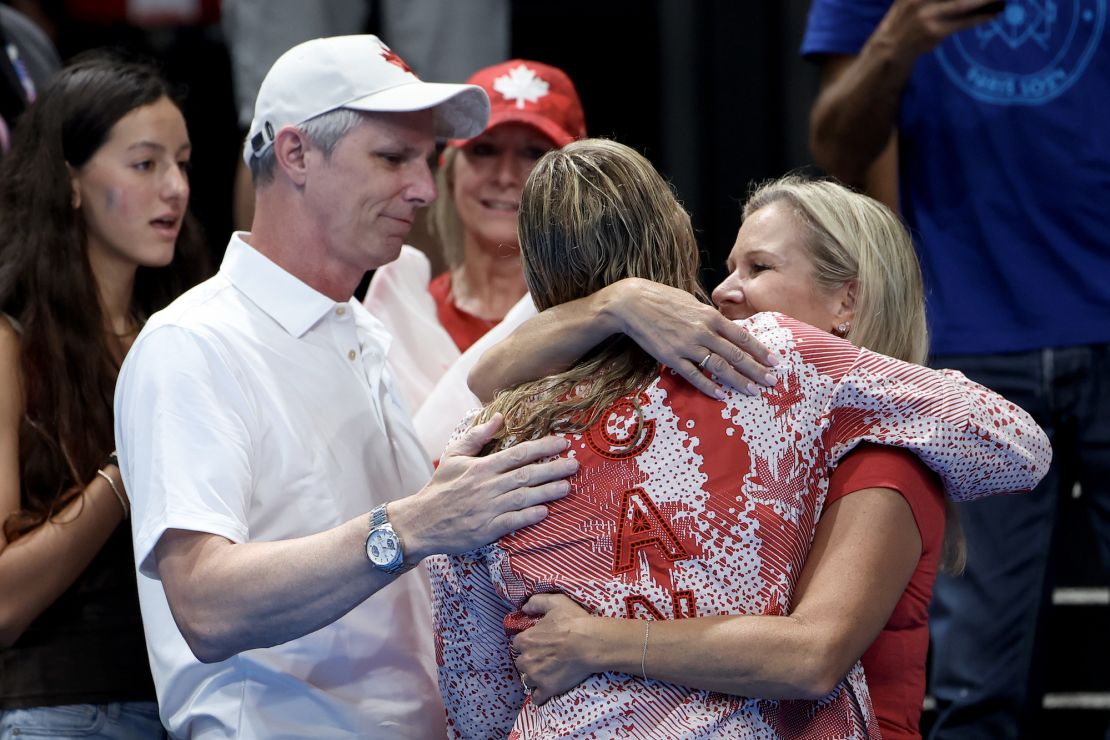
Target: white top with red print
688,506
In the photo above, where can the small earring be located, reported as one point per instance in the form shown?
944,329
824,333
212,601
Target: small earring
843,327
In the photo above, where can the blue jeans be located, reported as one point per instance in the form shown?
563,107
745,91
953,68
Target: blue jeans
984,624
134,720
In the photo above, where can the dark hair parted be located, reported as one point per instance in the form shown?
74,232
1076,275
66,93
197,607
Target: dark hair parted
593,213
47,285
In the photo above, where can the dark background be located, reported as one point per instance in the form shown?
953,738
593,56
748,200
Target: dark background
712,91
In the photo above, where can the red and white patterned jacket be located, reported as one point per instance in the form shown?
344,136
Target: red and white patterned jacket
705,507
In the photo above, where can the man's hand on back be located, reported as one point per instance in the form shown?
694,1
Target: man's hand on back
472,501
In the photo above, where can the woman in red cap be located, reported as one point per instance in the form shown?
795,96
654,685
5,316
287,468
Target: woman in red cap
533,108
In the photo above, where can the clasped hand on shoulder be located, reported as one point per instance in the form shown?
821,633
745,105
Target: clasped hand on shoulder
472,501
690,337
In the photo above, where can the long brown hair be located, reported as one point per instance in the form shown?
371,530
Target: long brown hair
47,285
593,213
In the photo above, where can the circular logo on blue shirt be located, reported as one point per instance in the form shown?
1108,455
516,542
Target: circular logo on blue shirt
1028,54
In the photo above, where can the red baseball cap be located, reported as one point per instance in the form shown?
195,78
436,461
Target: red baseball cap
535,94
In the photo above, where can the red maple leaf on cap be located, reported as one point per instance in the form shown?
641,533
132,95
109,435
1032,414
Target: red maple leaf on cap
391,56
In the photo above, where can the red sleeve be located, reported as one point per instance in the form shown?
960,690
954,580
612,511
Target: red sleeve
895,662
879,466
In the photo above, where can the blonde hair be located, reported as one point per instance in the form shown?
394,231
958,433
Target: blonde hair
850,236
444,222
593,213
853,237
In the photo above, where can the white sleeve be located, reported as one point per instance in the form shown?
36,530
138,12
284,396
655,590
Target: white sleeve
451,398
974,439
184,436
421,350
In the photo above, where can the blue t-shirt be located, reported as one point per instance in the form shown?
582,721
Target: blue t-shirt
1004,171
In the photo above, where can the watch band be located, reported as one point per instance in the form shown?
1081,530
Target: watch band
379,517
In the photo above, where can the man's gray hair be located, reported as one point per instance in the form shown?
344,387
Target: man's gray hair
324,131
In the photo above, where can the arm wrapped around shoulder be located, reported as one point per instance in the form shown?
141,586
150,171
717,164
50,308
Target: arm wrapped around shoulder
977,442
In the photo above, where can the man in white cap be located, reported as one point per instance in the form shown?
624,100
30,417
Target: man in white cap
261,435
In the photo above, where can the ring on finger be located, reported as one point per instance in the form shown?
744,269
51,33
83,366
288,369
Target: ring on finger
705,360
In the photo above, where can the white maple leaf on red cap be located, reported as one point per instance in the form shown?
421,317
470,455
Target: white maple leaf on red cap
522,85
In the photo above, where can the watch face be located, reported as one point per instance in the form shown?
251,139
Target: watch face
381,547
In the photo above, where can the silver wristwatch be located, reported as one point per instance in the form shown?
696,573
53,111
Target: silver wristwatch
384,547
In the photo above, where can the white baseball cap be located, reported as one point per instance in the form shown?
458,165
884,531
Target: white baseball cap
360,73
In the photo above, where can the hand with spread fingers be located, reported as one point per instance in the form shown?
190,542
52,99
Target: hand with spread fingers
471,501
671,325
692,338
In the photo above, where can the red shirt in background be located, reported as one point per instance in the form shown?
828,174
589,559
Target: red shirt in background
465,328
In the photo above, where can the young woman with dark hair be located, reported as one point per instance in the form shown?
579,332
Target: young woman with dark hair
94,237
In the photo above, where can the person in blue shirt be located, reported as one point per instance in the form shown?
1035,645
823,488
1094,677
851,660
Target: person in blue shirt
994,118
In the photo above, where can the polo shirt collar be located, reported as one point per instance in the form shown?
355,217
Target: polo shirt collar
295,306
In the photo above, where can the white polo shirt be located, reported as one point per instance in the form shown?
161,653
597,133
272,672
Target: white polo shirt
258,409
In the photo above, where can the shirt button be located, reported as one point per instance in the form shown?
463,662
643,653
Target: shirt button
340,311
351,355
